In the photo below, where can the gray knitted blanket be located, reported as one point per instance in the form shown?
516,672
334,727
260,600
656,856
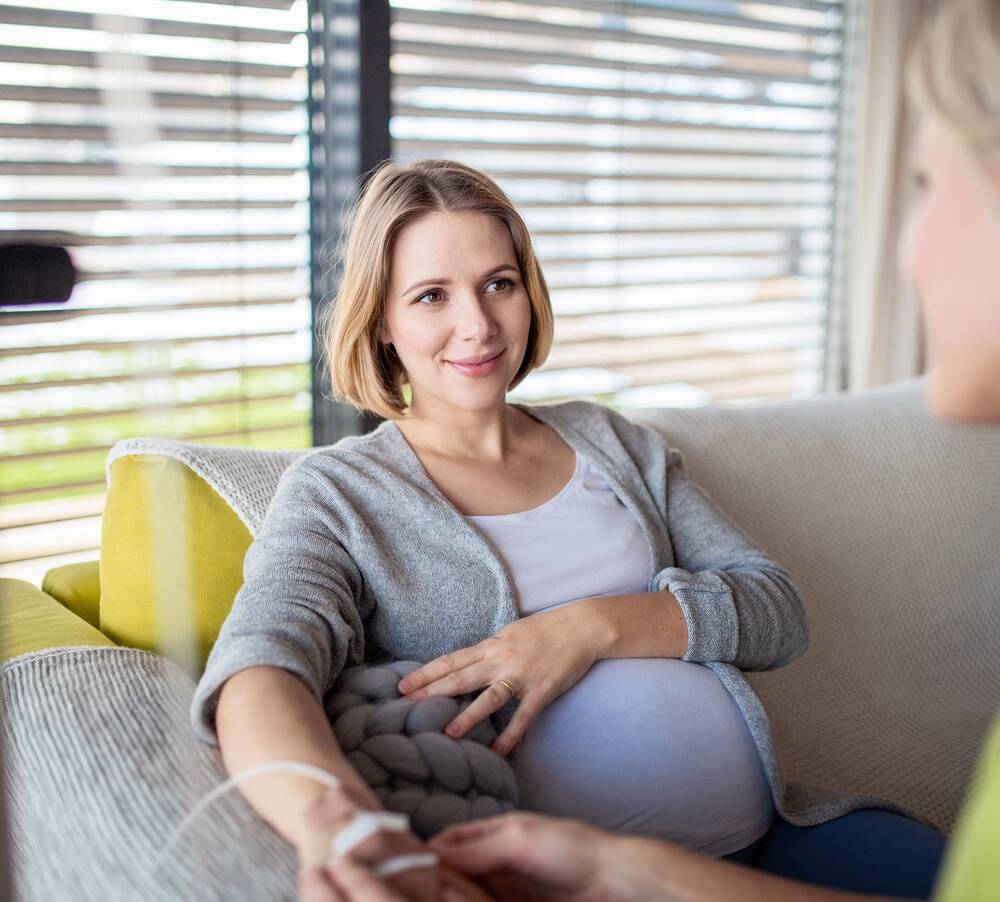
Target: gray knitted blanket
399,747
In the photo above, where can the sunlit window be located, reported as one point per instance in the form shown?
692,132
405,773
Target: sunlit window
167,149
675,162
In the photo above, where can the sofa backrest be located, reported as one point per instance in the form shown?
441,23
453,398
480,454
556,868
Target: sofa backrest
889,522
887,519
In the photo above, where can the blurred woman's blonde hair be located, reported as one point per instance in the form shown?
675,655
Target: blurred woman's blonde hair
954,71
363,371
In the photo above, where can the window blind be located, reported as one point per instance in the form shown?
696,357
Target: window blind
168,150
675,162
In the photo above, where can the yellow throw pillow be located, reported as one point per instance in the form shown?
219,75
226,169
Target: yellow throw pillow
77,587
171,559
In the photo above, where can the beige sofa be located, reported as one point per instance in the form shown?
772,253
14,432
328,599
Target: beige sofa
888,520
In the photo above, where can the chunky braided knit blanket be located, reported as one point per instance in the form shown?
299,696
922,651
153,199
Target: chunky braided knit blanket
399,746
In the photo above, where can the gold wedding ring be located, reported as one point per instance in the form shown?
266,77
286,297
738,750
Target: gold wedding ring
510,689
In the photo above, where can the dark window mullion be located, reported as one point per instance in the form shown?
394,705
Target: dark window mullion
348,136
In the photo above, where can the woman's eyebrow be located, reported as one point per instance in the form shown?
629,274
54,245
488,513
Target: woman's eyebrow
503,267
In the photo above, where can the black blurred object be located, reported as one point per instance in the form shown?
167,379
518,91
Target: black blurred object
35,274
30,273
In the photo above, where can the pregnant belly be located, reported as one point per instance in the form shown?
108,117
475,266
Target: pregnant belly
648,745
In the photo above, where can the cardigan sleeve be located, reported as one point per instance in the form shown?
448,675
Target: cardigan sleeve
298,606
740,606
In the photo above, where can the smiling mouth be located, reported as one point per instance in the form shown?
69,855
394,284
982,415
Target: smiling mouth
482,370
477,362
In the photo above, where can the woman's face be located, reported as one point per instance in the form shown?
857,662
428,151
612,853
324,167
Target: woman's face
950,253
456,295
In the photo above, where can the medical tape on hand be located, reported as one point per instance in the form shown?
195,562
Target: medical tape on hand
365,824
405,863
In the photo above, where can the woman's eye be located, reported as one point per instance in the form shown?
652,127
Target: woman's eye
429,294
506,282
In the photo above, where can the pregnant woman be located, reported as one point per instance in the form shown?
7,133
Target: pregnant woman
556,554
640,744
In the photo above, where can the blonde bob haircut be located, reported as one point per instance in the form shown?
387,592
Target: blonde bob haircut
954,71
363,371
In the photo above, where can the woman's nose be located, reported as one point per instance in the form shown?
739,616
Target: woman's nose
473,317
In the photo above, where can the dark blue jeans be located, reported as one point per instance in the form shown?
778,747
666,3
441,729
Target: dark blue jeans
865,851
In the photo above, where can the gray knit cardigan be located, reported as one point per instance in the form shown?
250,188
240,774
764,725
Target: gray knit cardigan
361,558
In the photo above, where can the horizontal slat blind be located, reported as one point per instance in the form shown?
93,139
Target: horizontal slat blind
674,161
168,149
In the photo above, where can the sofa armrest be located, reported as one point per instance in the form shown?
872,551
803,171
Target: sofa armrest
77,587
30,620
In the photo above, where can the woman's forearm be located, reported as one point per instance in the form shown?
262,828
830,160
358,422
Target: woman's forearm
644,625
268,714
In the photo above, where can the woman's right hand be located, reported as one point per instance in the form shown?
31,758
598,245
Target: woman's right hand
327,817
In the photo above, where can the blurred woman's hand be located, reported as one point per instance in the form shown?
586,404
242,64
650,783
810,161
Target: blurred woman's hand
348,881
530,857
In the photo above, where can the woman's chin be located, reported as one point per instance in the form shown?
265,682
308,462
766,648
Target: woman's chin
478,394
959,399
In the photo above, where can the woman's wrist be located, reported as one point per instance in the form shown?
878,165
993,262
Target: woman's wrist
643,625
626,868
313,844
318,825
637,868
599,628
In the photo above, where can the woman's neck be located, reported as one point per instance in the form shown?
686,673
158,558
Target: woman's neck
480,436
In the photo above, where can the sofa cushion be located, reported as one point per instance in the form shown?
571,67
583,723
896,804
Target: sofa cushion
172,543
889,522
76,587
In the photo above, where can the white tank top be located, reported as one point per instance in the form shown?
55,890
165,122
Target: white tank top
581,542
639,745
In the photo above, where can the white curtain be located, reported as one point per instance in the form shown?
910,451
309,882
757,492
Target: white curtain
876,331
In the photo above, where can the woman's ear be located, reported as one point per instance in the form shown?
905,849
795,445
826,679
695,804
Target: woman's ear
382,333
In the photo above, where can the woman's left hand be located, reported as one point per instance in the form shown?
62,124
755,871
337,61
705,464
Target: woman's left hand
540,656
